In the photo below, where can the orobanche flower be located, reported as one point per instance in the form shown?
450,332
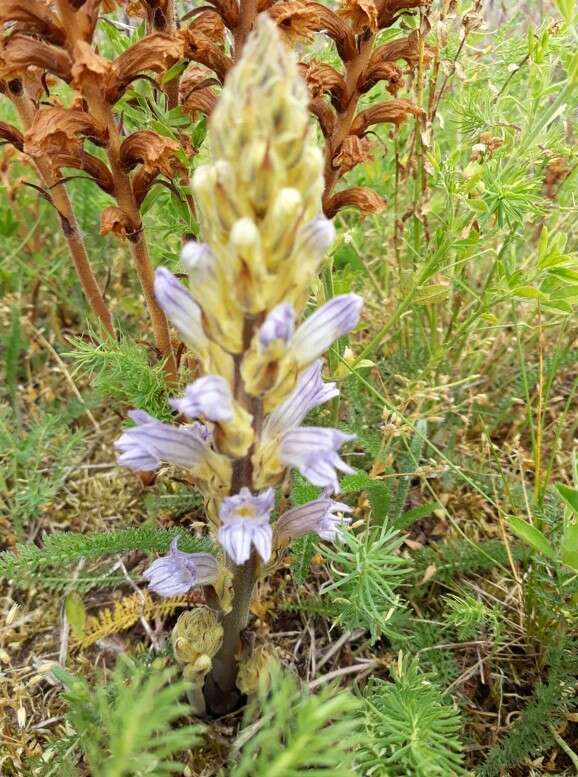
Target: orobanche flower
178,572
241,424
245,523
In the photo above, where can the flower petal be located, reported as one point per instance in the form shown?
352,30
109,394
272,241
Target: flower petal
310,392
181,309
208,397
334,319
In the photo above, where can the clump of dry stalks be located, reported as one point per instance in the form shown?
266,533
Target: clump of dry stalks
46,42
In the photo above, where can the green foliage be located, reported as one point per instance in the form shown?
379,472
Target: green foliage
121,372
468,616
13,346
34,462
298,733
552,699
30,565
411,731
367,570
448,559
126,727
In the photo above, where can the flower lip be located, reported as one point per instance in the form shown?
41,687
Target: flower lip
313,451
245,524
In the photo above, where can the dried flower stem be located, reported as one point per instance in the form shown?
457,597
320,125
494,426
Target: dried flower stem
353,70
70,229
247,17
124,194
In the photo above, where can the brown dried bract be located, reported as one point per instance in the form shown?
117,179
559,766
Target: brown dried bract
382,71
33,17
156,153
296,20
390,10
228,10
156,53
210,23
366,200
323,79
353,152
11,135
407,48
393,111
195,90
61,130
324,114
200,48
338,30
361,14
116,221
21,51
95,168
90,69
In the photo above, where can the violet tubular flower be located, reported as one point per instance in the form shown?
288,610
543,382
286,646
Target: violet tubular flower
245,523
313,451
150,443
208,397
322,516
178,572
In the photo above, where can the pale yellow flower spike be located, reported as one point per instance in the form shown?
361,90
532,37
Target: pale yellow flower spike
262,189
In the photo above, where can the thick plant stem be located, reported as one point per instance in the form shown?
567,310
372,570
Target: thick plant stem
222,693
127,203
68,222
221,690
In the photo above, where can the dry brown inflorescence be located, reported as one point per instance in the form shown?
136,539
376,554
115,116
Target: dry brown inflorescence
50,41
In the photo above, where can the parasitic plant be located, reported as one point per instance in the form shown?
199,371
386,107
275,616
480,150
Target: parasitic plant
259,204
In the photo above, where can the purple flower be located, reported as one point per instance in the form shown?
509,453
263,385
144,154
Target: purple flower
310,392
208,397
177,572
316,237
198,260
322,516
313,451
145,446
278,325
245,522
181,309
335,318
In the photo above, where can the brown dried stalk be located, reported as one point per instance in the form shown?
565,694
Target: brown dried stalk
56,193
